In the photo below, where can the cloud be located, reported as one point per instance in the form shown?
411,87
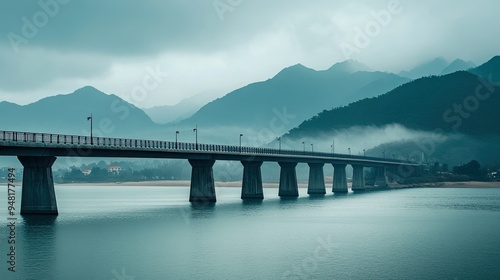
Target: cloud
40,67
364,138
97,42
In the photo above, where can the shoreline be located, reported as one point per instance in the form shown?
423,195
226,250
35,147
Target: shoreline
237,184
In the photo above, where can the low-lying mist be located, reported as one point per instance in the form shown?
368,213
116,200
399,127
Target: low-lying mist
364,138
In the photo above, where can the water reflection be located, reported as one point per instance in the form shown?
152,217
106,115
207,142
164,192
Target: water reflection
316,196
251,202
37,246
202,210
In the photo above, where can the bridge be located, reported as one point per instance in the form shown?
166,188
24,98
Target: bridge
37,152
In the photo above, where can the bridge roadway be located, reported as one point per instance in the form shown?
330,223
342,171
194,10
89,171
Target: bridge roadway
38,151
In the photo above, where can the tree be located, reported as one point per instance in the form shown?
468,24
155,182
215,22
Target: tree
471,169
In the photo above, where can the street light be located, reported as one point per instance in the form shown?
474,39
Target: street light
312,147
349,150
279,143
176,133
91,134
241,135
304,144
364,152
195,130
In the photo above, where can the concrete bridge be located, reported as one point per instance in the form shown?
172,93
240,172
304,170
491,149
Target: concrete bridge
38,151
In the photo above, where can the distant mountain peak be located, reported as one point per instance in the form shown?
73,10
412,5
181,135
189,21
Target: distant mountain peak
7,103
431,67
88,90
296,69
458,65
349,66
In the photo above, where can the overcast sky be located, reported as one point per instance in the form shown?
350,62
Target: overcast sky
213,47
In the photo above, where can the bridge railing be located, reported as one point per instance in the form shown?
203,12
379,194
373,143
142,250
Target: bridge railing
60,139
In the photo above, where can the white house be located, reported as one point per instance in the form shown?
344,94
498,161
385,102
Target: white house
113,168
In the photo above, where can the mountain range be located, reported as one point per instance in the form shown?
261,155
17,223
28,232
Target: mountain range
437,66
292,96
67,114
303,101
464,104
180,111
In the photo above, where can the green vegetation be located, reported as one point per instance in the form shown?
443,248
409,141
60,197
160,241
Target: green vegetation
170,170
425,104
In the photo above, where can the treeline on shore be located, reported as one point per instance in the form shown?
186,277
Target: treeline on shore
170,170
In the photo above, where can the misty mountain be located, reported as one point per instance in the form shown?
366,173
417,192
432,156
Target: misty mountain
457,65
456,121
434,67
424,104
182,110
67,114
489,70
296,93
453,150
349,66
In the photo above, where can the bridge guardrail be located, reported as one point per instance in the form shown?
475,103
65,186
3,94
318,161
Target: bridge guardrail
61,139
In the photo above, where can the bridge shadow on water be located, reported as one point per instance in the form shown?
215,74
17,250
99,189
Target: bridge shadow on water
200,210
37,244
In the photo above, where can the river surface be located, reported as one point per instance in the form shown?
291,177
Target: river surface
126,233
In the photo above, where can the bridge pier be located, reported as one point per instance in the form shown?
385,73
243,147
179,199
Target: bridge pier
288,180
202,181
316,179
381,177
38,194
339,178
358,178
252,180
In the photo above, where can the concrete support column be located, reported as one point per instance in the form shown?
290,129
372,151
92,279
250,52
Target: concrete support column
358,178
252,180
202,181
339,178
38,194
316,179
381,177
288,180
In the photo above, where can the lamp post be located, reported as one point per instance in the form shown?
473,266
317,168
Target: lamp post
364,152
312,147
241,135
304,144
279,143
349,150
91,134
195,130
176,133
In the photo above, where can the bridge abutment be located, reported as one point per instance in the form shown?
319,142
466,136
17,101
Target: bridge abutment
252,180
202,181
381,177
339,178
316,179
38,194
358,178
288,180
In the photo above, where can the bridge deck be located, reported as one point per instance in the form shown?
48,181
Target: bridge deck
14,143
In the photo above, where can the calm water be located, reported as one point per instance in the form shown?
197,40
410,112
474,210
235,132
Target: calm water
154,233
